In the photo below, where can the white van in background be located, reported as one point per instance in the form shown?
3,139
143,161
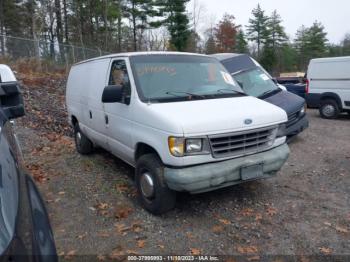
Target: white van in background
178,118
329,85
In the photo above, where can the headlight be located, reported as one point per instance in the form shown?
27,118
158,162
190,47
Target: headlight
180,146
194,145
281,132
302,111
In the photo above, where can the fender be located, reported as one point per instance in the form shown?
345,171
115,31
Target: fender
333,96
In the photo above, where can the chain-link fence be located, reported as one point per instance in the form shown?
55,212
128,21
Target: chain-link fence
61,54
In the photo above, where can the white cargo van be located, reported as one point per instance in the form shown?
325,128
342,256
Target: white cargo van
179,119
329,85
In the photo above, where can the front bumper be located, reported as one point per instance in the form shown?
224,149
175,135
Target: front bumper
208,177
298,126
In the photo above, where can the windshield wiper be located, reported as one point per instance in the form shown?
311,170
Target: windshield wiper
268,92
235,91
242,71
174,93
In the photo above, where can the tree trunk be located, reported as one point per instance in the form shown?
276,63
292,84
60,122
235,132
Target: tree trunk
134,26
59,29
2,40
65,21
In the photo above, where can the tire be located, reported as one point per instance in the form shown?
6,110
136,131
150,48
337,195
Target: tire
83,144
329,109
157,199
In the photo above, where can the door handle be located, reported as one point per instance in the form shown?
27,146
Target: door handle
90,113
106,119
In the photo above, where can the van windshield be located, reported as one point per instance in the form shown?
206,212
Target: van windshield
255,82
161,78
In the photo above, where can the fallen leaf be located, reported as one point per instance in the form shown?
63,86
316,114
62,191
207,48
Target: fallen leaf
141,243
217,229
131,252
70,254
254,258
122,188
82,236
123,212
225,221
161,246
341,229
102,206
117,254
326,250
136,227
247,212
103,234
190,235
327,224
122,228
195,251
101,257
247,249
61,193
258,217
271,211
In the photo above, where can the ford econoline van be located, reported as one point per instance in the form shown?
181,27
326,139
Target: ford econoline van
328,81
178,118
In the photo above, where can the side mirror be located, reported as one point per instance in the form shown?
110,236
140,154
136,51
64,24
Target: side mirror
112,94
11,100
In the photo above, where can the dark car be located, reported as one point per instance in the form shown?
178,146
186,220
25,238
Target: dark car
295,85
25,231
255,81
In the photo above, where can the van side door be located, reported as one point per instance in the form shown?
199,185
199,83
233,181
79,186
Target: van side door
118,115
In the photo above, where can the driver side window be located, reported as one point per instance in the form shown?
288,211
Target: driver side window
119,76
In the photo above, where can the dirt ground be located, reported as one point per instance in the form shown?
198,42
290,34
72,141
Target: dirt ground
304,210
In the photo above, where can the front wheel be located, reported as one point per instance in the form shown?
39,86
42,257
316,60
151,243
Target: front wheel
154,194
329,109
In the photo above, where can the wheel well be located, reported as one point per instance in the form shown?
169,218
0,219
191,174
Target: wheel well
74,120
143,149
332,96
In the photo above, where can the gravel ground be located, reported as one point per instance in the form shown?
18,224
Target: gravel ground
305,210
91,200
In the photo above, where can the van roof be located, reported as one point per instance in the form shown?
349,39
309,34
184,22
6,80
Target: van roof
225,56
329,59
129,54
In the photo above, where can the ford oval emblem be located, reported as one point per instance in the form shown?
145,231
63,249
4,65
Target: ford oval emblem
248,121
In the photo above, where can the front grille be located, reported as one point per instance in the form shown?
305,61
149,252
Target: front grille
292,118
242,143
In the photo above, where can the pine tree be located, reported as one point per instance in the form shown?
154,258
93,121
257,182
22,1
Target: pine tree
257,30
276,30
272,48
241,42
310,43
175,20
138,11
316,41
346,45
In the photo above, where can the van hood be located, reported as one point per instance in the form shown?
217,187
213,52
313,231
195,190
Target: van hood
289,102
212,116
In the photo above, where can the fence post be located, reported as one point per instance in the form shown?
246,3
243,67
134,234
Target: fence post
73,53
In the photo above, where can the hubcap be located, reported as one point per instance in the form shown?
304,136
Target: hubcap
328,110
78,137
146,184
